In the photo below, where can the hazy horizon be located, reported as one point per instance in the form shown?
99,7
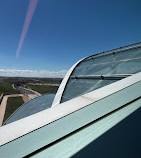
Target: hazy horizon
40,38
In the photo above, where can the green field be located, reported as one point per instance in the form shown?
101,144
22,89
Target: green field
12,104
43,89
27,80
7,88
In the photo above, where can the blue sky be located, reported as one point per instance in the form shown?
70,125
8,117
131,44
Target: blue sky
62,32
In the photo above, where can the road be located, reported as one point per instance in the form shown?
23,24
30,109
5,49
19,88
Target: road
4,103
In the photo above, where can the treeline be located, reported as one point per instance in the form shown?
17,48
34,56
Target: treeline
6,88
25,80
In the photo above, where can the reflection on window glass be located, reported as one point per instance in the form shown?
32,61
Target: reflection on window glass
36,105
124,62
77,87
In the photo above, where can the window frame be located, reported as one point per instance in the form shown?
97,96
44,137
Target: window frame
61,89
46,120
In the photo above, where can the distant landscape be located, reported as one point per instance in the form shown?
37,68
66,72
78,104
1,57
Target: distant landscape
19,90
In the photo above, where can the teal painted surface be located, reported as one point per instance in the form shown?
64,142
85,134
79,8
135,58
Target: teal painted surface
66,125
74,143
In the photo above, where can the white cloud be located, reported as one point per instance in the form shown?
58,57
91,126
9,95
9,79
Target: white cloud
32,73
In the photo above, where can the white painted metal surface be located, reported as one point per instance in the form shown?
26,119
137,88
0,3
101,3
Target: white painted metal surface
61,89
39,127
33,122
69,146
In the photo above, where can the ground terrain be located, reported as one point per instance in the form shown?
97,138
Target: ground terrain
13,103
16,91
